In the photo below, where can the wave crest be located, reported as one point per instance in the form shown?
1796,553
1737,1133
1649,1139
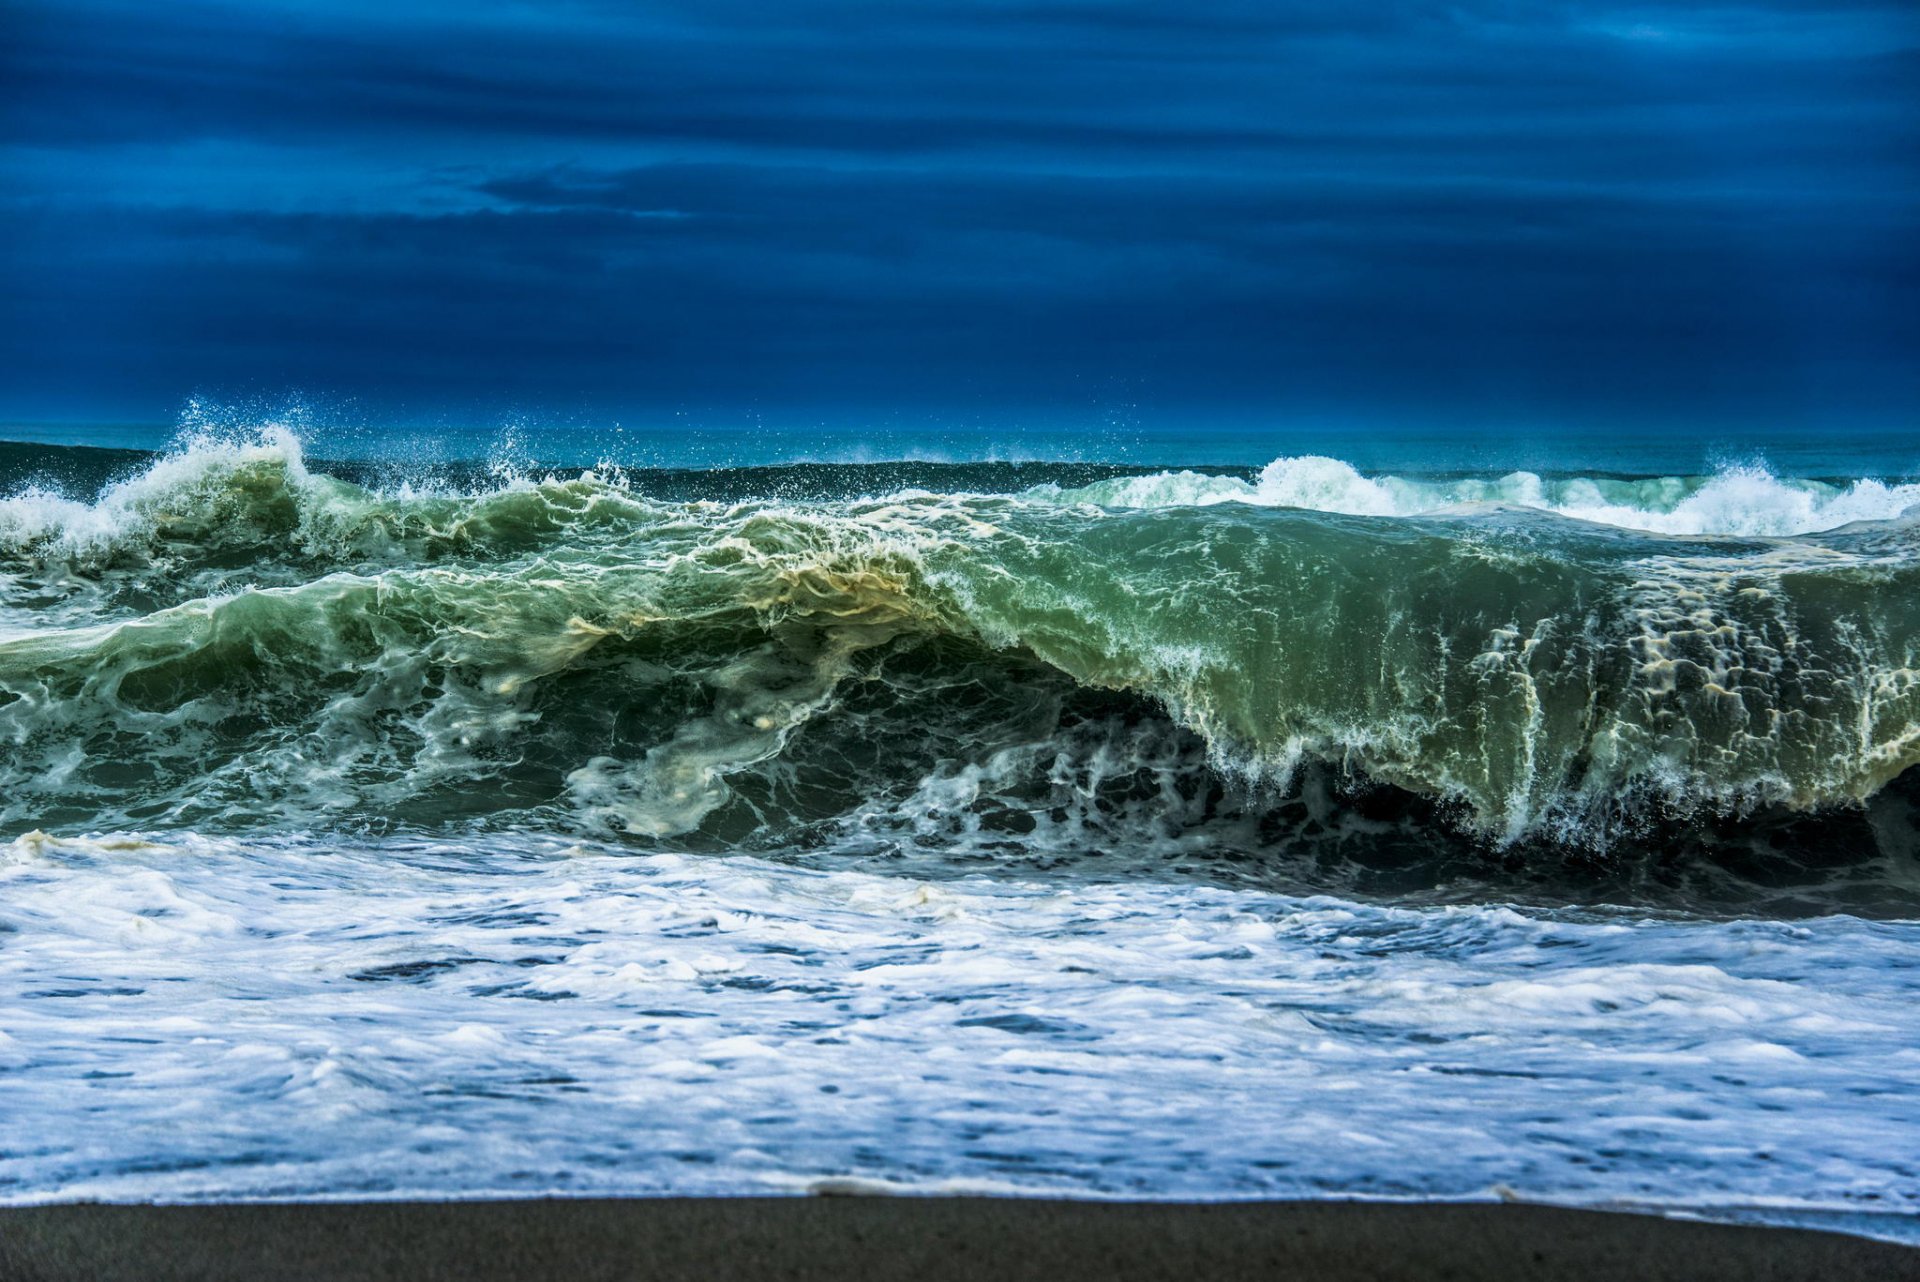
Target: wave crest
1745,500
235,637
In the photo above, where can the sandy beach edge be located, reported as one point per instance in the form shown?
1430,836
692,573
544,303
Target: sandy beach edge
927,1238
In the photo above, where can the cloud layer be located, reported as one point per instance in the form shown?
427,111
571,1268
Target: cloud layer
1476,212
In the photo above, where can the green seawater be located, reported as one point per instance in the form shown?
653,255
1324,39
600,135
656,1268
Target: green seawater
994,662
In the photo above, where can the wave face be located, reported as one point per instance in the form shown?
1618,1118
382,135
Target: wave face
1201,667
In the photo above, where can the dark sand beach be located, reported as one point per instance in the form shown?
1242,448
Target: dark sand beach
922,1238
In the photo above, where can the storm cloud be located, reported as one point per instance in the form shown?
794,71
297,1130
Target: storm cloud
1689,214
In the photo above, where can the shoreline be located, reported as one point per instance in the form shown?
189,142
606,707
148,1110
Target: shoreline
927,1238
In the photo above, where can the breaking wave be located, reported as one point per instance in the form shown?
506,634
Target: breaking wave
228,638
1746,500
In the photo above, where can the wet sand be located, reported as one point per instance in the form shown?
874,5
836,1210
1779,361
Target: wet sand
927,1239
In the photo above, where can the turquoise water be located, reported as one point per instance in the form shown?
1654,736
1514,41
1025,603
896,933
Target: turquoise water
1118,438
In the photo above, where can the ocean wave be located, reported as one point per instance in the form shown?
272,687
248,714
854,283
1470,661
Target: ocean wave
232,637
1745,500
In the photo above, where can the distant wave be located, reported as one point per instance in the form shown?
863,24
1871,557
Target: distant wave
230,639
1745,500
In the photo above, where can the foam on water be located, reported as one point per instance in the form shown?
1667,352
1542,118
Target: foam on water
291,1017
207,469
1745,500
193,478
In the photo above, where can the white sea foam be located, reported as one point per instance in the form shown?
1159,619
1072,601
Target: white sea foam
292,1017
131,509
1737,500
204,479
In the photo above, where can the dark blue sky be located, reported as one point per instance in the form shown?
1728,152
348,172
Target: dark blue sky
1487,213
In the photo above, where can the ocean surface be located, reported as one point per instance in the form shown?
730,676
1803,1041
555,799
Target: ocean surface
571,814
